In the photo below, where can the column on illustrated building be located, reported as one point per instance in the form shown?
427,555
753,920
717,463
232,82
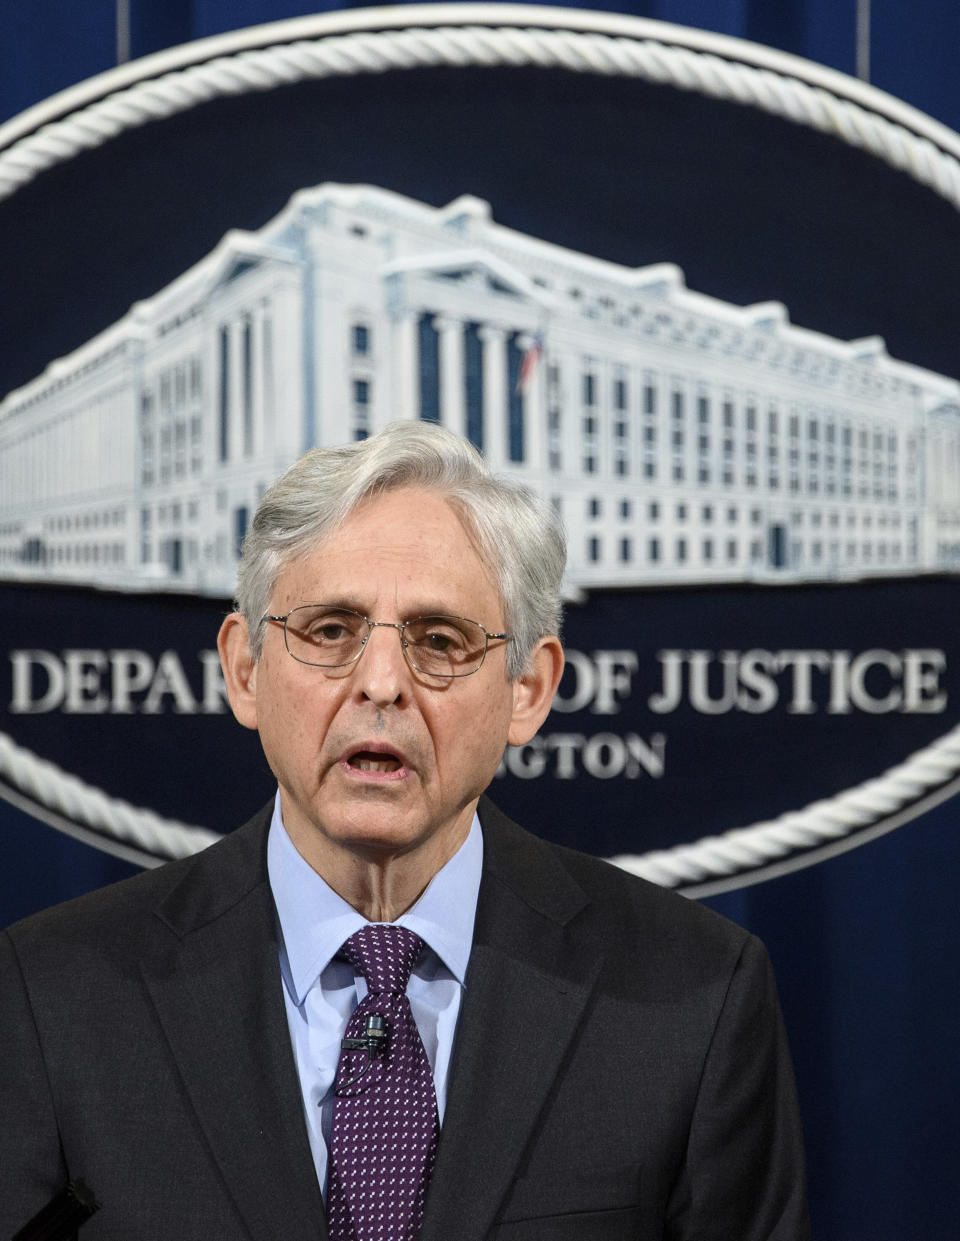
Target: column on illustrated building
137,389
496,430
452,385
223,363
250,404
267,381
210,436
534,396
235,410
227,382
474,427
405,399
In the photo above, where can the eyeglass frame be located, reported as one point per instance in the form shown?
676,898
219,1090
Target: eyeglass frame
400,626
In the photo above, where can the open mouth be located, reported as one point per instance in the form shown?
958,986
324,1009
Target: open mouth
365,761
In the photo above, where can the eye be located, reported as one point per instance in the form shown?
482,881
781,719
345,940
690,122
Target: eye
329,631
440,635
324,627
438,641
445,646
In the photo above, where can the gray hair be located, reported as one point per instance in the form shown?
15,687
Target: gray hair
517,535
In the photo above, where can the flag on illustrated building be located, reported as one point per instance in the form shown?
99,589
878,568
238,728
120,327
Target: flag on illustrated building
528,363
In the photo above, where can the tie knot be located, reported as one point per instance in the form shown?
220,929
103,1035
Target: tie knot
384,954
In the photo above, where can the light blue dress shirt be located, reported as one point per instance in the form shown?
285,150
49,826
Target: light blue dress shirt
321,992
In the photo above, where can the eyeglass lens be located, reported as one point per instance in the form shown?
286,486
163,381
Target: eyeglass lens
446,646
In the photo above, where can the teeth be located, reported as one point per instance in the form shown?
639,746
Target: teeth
369,764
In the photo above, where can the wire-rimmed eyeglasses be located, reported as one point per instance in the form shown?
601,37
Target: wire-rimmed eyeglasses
328,636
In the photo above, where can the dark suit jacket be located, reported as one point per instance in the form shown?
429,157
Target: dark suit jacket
619,1071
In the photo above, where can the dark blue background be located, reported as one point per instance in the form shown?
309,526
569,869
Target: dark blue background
865,945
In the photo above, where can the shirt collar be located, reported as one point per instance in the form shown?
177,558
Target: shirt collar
315,920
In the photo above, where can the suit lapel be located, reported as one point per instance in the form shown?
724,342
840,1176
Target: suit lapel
526,991
217,992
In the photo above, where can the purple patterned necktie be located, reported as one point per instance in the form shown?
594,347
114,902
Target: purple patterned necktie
383,1138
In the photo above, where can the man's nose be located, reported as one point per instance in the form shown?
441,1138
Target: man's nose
382,670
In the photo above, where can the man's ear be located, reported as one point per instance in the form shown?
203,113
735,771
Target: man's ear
533,691
239,668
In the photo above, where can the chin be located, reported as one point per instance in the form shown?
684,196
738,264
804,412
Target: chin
374,835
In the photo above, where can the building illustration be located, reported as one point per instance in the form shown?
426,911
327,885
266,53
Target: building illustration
684,439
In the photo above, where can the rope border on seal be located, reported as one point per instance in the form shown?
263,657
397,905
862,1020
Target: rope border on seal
379,51
146,836
548,38
821,823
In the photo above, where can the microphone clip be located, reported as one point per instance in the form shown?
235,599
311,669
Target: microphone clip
373,1040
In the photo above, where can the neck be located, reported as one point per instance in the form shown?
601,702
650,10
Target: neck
380,885
381,893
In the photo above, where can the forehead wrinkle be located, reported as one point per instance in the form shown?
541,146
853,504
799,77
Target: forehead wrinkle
362,540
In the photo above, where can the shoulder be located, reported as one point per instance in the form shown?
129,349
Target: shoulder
117,919
616,907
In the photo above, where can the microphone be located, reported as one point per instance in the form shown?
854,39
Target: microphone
62,1216
373,1040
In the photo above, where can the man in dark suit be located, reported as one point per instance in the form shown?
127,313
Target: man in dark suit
601,1059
